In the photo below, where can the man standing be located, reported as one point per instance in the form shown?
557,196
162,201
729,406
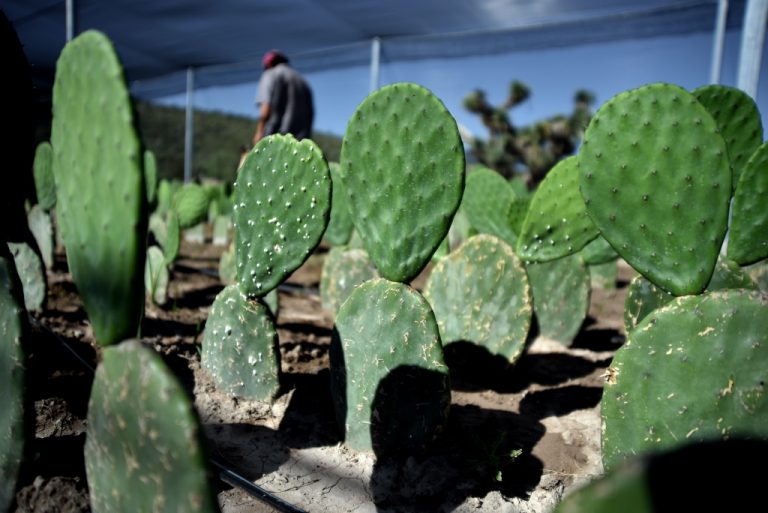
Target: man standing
284,100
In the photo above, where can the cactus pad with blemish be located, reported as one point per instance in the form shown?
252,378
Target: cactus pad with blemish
556,224
45,185
387,369
282,206
99,185
144,450
738,119
561,294
488,200
480,294
692,370
343,270
656,180
240,349
402,168
340,224
748,238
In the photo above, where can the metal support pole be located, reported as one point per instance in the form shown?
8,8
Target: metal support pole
70,20
752,37
718,43
189,128
375,62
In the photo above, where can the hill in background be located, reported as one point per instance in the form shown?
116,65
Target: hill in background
218,141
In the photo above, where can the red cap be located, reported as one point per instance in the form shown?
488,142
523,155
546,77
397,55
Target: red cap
273,58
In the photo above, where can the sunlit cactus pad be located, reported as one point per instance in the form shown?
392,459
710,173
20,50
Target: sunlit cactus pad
282,206
402,168
389,380
692,370
100,185
480,294
488,201
240,346
557,223
343,270
656,180
144,450
748,238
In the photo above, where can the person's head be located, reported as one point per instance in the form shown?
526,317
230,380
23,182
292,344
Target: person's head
272,58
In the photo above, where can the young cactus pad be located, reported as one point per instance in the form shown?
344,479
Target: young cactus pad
282,205
45,186
343,270
656,180
240,346
488,200
561,294
748,238
557,223
144,449
738,120
41,226
692,370
13,329
340,225
31,271
480,294
156,276
402,168
388,377
100,185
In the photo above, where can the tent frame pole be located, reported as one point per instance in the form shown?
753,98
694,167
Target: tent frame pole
715,68
752,37
189,127
375,63
70,20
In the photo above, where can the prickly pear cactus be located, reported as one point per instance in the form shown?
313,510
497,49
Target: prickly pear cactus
45,185
343,270
340,224
221,225
561,294
282,205
402,168
488,199
227,267
516,213
557,223
13,329
692,370
190,202
389,380
172,242
32,274
480,294
603,276
656,180
748,238
100,185
150,176
598,252
738,120
156,276
759,274
144,450
41,226
240,346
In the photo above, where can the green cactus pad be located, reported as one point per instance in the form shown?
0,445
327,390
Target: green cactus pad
480,294
221,225
100,185
402,168
150,176
172,243
603,276
516,213
190,202
32,273
656,181
557,223
41,226
343,270
156,276
748,238
759,274
13,329
598,252
282,206
240,346
385,331
561,295
227,266
340,225
692,370
738,120
488,199
144,450
45,185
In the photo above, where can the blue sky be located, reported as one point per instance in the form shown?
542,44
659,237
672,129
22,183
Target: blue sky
553,76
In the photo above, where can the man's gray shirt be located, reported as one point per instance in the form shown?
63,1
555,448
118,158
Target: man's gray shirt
290,101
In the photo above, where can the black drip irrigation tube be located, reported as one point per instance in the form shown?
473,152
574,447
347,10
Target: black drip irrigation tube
223,471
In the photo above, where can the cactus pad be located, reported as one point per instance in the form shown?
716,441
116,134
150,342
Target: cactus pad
343,270
656,180
748,238
738,120
561,294
480,294
100,185
282,205
144,449
692,370
190,202
150,176
156,276
389,380
240,346
32,274
340,225
557,223
603,276
41,226
598,252
488,200
402,168
45,185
